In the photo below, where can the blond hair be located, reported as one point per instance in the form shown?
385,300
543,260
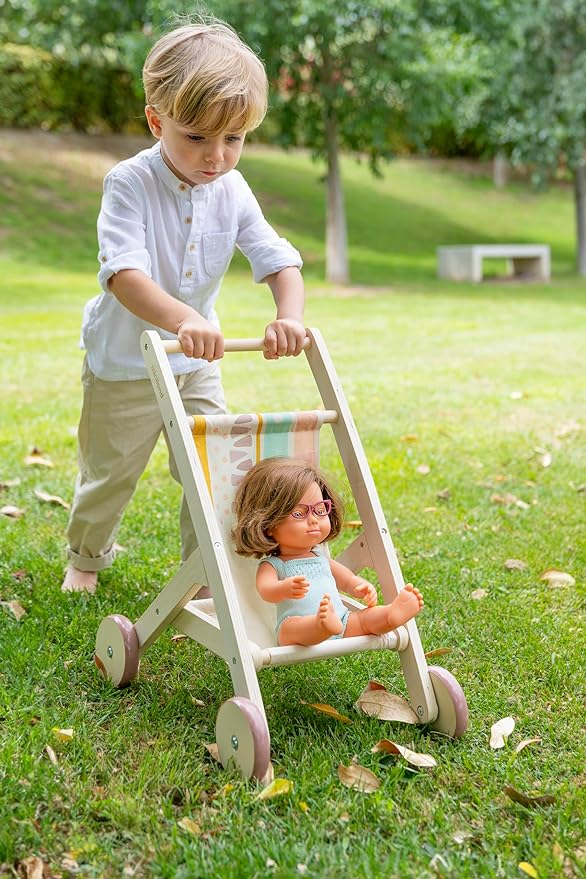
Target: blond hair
203,76
267,494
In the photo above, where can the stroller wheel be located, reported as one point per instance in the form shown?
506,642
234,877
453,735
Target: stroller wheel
452,718
242,736
116,655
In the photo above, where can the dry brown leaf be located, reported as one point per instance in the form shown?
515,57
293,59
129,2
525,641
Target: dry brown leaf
500,731
12,512
51,499
327,709
37,459
9,483
525,743
444,494
423,469
16,608
479,594
190,825
31,868
557,579
439,651
358,778
212,749
421,761
179,636
409,438
515,565
529,801
276,788
376,701
430,509
505,499
51,755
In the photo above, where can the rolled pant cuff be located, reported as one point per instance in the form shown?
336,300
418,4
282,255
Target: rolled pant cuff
85,563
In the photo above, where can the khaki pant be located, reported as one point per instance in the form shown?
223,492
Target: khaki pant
118,429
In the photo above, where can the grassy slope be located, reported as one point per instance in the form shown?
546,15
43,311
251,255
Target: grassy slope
442,362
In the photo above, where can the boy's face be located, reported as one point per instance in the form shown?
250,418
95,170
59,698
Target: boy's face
194,158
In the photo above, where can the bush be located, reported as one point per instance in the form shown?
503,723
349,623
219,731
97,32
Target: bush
38,89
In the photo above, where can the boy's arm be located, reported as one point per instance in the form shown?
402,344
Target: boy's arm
349,583
284,336
144,298
273,590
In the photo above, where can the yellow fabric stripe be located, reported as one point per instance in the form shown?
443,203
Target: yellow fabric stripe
199,439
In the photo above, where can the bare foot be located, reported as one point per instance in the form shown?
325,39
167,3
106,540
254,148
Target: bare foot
79,581
406,605
327,618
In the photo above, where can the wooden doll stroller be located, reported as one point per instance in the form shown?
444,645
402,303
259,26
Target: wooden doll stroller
212,455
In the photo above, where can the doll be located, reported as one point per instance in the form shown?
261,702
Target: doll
284,509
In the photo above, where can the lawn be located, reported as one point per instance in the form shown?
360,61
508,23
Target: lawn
470,404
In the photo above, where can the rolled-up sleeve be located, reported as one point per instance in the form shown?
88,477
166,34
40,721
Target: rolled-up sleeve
121,230
258,241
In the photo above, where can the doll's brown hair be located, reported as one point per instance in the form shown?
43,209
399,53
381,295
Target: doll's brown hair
266,496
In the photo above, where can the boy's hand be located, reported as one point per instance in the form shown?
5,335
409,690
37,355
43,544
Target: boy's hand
367,593
201,339
294,587
284,337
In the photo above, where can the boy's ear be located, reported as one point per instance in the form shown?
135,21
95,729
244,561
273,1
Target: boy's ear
154,121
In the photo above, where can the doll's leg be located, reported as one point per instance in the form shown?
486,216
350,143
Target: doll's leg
308,630
385,617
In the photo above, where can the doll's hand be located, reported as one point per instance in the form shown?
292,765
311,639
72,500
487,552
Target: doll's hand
367,593
199,338
283,338
294,587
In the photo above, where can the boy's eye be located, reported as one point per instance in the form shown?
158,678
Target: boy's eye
194,138
233,138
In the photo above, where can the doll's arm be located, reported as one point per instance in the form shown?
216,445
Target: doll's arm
349,583
274,590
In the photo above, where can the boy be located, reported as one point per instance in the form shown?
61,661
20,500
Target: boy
170,219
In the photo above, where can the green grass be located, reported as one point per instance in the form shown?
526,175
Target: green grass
474,381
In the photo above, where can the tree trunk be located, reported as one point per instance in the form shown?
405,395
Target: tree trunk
336,236
499,170
580,198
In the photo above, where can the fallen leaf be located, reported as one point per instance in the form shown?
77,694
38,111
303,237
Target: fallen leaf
302,869
500,731
530,801
178,637
546,459
358,778
479,594
515,565
439,651
269,775
12,512
529,869
31,868
525,743
522,505
71,865
190,825
212,749
9,483
409,438
444,494
276,788
557,579
430,509
16,608
303,806
19,575
37,459
64,735
516,395
51,499
353,523
423,469
327,709
377,701
421,761
505,499
51,755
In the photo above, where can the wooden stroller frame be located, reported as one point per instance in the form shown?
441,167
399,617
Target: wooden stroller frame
218,623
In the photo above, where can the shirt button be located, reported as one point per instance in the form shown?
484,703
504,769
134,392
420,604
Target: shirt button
188,219
188,274
192,247
104,259
182,187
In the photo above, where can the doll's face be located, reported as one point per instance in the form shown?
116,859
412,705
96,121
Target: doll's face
299,533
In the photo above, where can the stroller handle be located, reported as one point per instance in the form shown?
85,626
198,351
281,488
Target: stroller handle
173,346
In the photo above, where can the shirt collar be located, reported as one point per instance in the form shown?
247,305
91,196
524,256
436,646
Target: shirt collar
170,180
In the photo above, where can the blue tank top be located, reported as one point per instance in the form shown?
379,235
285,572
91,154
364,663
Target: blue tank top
317,570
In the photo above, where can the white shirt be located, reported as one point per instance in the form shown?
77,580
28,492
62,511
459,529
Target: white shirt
183,238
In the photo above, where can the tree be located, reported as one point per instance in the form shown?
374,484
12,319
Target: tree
347,75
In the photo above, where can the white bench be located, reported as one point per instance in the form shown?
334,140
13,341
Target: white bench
527,262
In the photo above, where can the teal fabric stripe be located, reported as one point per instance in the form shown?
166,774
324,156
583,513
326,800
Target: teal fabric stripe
276,434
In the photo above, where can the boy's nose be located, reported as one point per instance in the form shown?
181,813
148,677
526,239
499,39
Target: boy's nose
215,153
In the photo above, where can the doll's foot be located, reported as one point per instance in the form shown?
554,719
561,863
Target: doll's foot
79,581
406,605
327,618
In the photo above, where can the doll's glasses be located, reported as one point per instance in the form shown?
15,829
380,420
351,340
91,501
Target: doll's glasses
321,509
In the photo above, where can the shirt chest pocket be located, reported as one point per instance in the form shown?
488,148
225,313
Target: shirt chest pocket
218,248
